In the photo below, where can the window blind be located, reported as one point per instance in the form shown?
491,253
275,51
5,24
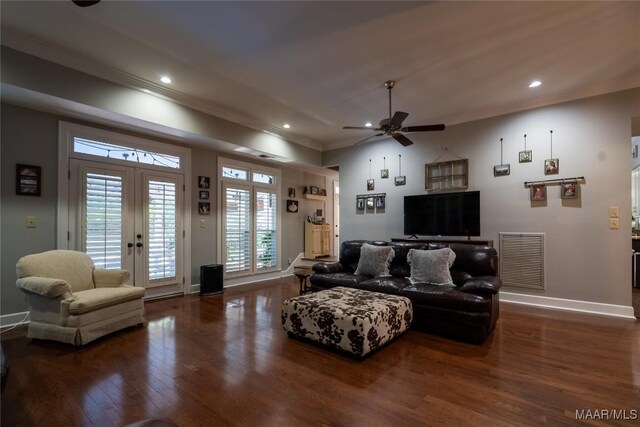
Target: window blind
162,230
237,227
266,227
102,222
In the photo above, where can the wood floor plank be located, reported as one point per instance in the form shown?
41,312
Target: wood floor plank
225,360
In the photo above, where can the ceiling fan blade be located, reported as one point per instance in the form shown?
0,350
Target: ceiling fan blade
424,128
398,118
358,127
362,141
85,3
402,139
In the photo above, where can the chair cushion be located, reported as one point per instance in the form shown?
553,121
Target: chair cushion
95,299
75,268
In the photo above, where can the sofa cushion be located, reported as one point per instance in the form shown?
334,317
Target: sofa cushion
447,296
399,265
336,279
387,285
350,253
475,260
95,299
374,260
431,266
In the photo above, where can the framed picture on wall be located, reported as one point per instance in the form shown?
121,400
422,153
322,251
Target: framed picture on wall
525,156
292,206
371,185
360,203
551,166
204,208
28,180
204,182
401,180
203,195
538,192
568,190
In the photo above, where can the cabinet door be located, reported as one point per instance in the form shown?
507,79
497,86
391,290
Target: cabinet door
317,241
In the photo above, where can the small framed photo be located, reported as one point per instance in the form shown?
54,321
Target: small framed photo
401,180
203,194
323,192
28,180
568,190
370,203
380,202
371,185
204,182
538,192
384,173
360,203
551,166
292,193
204,208
292,206
525,156
501,170
314,190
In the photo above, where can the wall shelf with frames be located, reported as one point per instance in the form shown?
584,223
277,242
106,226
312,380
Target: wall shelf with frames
448,175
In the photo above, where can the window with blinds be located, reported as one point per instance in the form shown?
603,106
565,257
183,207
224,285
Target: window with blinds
266,228
162,231
102,219
237,230
250,220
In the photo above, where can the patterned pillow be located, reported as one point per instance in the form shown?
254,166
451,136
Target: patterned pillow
431,266
374,260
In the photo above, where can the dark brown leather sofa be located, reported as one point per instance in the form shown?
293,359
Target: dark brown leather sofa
467,310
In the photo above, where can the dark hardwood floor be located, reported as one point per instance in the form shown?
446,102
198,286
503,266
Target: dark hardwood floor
225,360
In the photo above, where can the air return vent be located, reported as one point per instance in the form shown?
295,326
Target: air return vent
522,260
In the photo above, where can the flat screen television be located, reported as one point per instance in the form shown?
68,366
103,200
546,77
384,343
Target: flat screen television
442,214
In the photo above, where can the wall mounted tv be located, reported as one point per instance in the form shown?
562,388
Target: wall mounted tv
442,214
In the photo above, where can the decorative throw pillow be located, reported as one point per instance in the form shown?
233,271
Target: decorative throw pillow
374,260
431,266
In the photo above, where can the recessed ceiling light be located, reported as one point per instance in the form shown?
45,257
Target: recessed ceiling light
286,125
368,124
165,79
535,83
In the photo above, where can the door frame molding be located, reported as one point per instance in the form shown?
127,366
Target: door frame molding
67,131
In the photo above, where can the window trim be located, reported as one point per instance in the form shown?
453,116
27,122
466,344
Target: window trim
254,186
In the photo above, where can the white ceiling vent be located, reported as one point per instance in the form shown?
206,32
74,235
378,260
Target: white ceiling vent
522,260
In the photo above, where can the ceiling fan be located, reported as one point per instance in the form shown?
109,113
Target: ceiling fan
392,126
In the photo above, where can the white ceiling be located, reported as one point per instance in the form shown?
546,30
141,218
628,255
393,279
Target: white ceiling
322,65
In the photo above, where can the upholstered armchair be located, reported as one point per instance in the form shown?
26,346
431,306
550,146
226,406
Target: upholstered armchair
72,301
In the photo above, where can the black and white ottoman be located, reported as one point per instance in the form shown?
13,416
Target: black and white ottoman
352,320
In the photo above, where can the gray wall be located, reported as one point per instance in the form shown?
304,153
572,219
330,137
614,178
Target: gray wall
31,137
585,260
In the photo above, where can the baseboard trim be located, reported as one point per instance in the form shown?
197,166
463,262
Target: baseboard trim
623,311
13,319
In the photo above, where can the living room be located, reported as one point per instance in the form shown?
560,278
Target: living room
587,268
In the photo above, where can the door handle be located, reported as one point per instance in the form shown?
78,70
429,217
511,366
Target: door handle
139,244
129,245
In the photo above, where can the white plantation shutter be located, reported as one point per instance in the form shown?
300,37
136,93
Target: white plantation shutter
266,230
237,230
102,219
162,231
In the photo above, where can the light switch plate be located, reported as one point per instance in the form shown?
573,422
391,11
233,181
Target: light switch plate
31,222
614,212
203,223
614,223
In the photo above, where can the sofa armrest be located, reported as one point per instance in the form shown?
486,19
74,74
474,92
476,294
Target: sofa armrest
44,286
483,285
110,278
323,268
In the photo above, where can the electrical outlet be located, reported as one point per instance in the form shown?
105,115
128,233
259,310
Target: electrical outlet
31,222
289,261
614,224
203,223
614,212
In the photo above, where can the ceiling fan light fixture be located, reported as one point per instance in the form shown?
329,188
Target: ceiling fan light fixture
368,124
166,79
286,126
535,83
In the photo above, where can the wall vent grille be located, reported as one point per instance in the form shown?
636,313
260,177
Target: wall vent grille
522,260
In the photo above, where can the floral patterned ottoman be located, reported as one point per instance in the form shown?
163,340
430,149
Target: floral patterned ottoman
352,320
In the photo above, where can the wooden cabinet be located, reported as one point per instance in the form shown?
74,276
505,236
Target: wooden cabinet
444,176
317,240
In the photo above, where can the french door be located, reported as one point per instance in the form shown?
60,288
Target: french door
130,218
